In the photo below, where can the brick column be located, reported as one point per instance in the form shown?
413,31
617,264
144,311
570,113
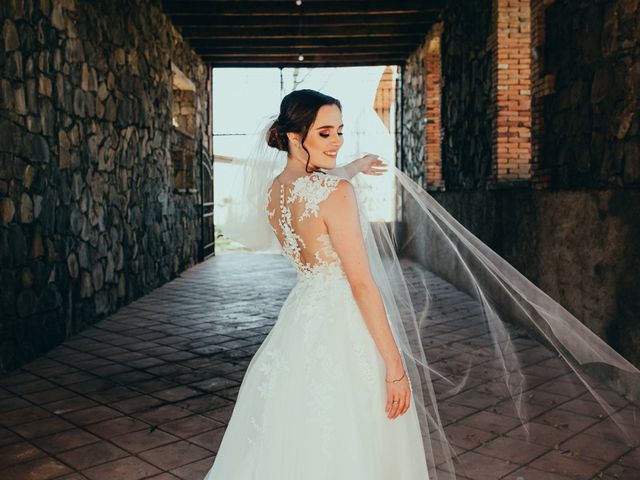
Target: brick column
432,100
511,114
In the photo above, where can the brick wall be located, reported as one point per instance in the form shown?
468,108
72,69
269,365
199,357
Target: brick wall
432,98
510,112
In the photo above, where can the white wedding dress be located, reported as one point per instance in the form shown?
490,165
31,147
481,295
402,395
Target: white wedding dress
311,404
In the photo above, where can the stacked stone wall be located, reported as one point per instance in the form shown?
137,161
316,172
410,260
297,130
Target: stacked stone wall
467,65
592,121
90,215
411,117
570,223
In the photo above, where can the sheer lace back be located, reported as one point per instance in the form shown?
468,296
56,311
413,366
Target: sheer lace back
293,211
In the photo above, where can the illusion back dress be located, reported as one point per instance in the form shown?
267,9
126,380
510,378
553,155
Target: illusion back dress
311,403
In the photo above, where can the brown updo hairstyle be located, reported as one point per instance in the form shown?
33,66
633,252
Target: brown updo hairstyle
298,110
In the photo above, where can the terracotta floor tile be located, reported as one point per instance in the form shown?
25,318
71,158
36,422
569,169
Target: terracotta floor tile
48,396
631,459
59,442
467,437
175,455
565,464
190,426
163,414
92,454
128,468
565,420
490,422
622,472
221,414
540,434
528,473
141,440
12,402
480,467
37,385
67,405
23,415
91,415
137,404
44,468
512,450
194,470
18,453
608,430
42,427
116,426
210,440
7,437
583,445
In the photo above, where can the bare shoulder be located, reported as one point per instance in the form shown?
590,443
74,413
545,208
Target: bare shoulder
342,197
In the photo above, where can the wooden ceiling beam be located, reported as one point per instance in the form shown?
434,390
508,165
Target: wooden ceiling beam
348,21
275,8
418,27
282,43
294,55
294,64
288,62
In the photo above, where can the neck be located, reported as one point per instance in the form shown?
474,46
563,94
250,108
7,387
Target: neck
297,165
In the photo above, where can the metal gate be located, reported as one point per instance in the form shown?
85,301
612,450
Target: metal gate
207,237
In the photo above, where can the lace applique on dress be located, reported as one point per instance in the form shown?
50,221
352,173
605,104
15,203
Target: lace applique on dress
311,190
312,193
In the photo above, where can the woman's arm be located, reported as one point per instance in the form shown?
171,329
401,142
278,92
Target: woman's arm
369,164
340,213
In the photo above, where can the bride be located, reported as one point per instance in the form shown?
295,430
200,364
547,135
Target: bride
326,395
341,387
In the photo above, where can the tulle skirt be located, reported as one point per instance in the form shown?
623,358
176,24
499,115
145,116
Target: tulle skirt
311,404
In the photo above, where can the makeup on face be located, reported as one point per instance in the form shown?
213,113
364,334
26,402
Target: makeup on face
324,139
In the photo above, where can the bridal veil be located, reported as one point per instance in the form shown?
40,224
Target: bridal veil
509,309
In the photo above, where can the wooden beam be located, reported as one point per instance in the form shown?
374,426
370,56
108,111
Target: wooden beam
419,26
293,55
284,43
240,22
288,63
275,8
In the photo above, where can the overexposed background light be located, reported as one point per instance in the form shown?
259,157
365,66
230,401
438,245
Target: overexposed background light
244,98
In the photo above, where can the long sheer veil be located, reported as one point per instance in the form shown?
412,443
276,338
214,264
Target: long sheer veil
505,313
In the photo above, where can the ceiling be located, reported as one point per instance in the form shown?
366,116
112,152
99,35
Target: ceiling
328,33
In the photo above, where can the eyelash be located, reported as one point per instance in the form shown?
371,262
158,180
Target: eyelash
325,135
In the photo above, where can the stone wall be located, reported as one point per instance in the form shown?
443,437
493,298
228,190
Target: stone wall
466,94
90,218
577,238
466,65
579,247
592,133
411,119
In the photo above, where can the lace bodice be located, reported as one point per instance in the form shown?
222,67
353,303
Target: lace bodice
293,209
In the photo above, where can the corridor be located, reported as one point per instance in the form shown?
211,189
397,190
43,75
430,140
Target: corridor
147,392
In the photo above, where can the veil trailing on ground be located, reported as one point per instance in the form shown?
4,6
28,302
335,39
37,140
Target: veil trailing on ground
482,350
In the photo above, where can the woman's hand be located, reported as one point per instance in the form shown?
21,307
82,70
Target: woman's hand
370,165
398,392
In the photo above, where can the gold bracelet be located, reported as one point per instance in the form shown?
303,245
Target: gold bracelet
394,381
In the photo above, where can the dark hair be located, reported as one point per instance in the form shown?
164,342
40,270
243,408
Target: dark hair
298,110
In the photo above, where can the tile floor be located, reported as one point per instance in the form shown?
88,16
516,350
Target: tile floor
147,392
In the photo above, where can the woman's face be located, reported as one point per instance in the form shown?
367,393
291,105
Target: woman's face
324,138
